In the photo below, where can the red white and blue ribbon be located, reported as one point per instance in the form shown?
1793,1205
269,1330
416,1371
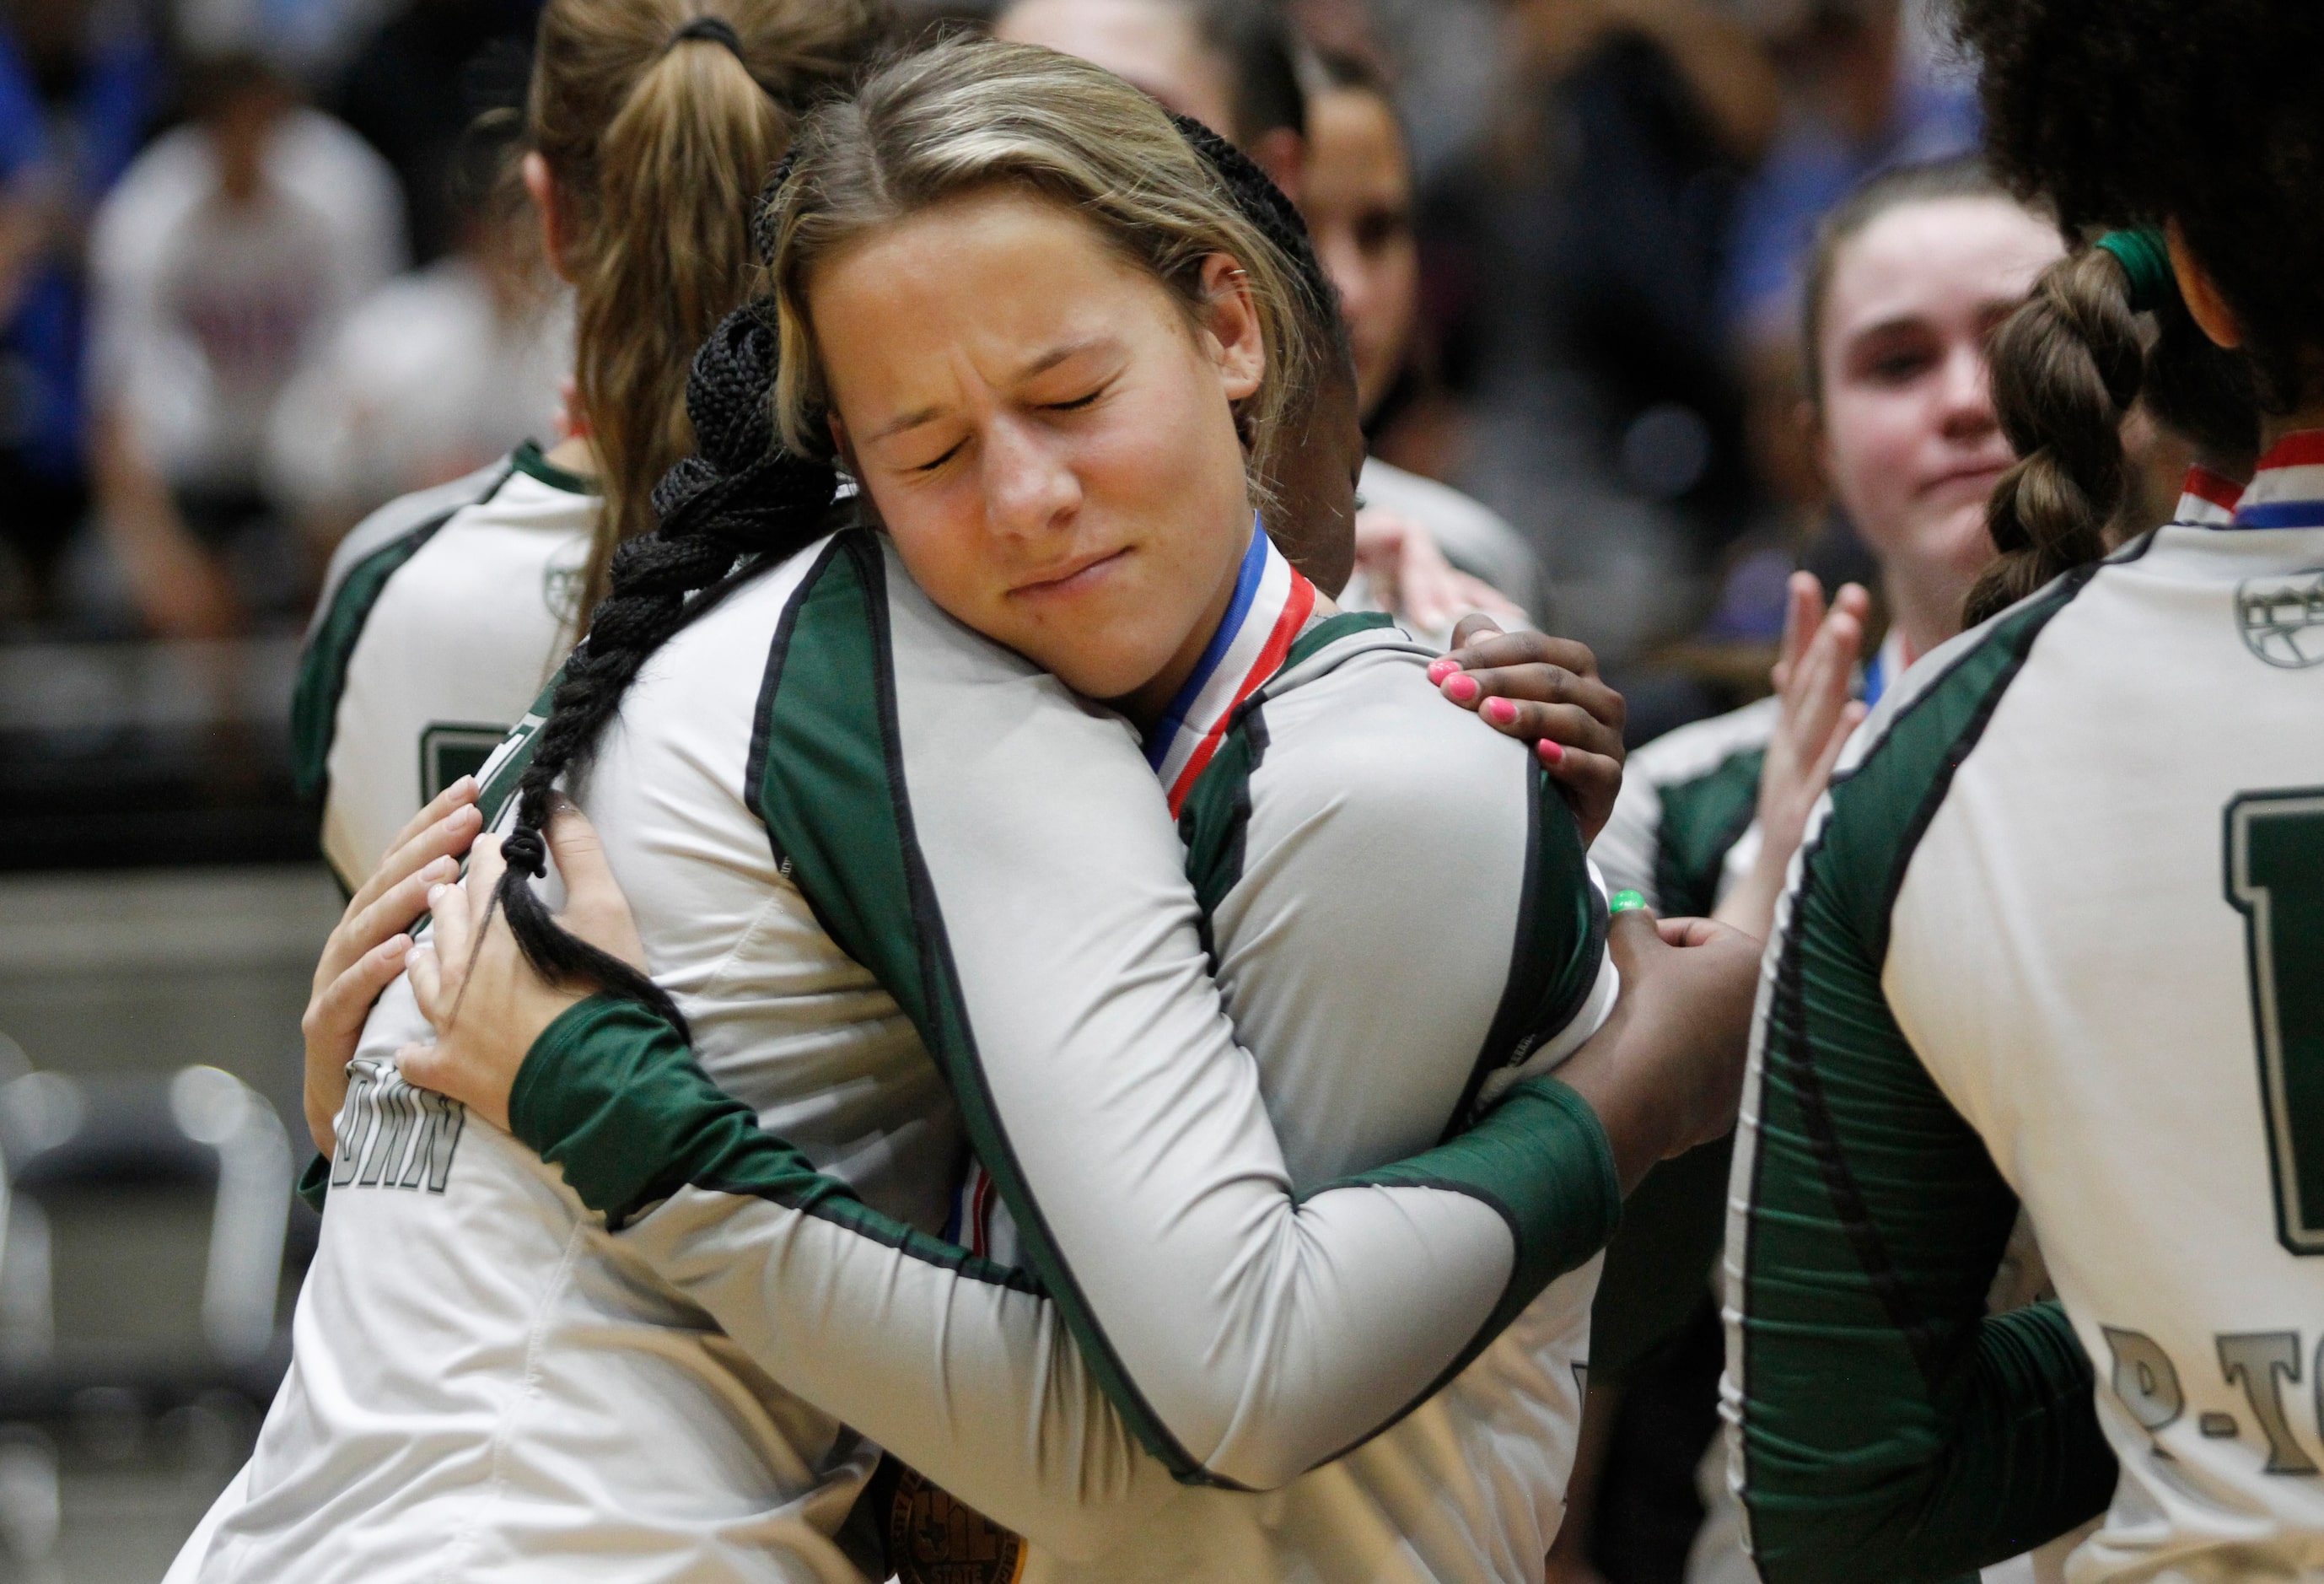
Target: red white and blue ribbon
2288,490
1271,603
2208,498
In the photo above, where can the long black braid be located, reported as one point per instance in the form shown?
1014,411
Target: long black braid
741,500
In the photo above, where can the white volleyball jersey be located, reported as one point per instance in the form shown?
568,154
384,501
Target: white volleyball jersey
2055,937
443,615
491,1381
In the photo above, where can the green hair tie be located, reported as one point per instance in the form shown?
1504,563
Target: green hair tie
2145,258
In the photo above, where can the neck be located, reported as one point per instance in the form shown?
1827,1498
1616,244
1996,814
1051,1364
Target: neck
2274,427
1145,704
1926,610
575,455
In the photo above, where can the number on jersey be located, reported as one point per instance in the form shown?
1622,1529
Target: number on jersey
2275,879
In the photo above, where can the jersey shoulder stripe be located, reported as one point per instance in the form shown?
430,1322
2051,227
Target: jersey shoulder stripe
1559,940
377,549
825,775
1845,1131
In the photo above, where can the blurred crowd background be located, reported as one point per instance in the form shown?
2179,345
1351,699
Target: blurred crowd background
261,269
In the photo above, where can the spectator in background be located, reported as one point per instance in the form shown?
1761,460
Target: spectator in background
1576,273
1359,210
1239,60
1230,64
229,249
78,86
433,375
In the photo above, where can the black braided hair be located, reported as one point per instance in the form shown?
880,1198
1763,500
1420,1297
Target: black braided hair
742,499
739,497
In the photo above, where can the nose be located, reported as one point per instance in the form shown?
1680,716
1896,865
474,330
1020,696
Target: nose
1965,394
1029,487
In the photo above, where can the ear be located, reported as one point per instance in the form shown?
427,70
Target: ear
540,186
2202,297
1283,155
1232,330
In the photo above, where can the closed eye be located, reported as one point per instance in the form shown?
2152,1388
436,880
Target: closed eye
1077,403
940,461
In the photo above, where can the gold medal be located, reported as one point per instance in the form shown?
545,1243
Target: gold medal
933,1539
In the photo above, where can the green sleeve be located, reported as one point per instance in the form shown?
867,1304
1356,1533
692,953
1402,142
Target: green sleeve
1890,1429
611,1093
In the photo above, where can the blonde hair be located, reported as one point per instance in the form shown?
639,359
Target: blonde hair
965,116
659,147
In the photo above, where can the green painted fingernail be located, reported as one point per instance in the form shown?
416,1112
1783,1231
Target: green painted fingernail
1622,902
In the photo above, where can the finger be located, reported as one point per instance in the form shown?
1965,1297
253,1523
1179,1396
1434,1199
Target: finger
398,909
1568,726
1855,599
445,838
596,908
427,971
461,792
1546,684
1820,682
1682,933
1631,939
336,1017
1595,780
1469,630
1491,649
1802,615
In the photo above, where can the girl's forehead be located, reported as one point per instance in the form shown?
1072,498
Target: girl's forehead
1926,257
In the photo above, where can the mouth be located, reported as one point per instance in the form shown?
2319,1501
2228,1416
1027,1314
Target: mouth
1069,578
1975,479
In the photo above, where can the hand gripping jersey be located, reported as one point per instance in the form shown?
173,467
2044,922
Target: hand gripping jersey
2052,938
849,826
443,615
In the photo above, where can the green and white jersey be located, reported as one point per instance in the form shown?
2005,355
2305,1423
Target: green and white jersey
910,891
2053,939
443,615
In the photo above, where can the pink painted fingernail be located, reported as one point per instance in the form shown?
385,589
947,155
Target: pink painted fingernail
1462,689
1550,754
1501,710
1439,670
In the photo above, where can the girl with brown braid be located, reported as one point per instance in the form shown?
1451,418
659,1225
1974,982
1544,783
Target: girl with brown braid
860,835
2029,964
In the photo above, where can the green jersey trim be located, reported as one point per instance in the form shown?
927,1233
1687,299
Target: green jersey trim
323,665
825,775
1322,635
612,1095
1550,1175
1703,817
527,459
1889,1429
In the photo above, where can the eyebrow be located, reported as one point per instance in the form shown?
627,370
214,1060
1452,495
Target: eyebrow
1031,370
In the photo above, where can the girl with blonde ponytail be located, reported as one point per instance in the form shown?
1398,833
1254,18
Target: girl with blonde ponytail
651,124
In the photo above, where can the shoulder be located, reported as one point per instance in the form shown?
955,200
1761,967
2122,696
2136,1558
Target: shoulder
1896,775
159,187
397,524
1687,797
372,553
1705,748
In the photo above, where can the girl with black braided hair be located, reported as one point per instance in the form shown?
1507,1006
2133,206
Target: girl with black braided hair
965,265
2038,954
